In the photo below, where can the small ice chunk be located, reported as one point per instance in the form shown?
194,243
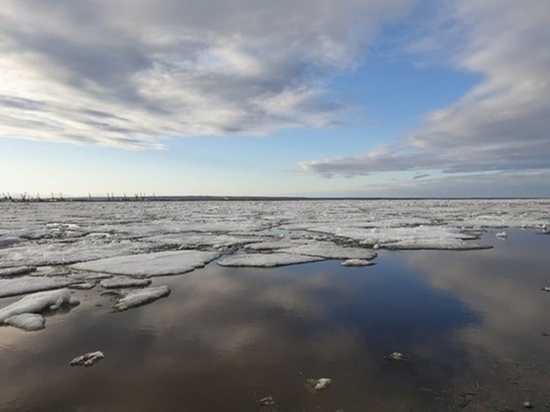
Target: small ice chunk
17,271
141,297
150,264
88,359
37,302
83,285
502,235
266,401
319,384
266,260
396,356
29,284
120,282
26,321
8,241
356,262
546,289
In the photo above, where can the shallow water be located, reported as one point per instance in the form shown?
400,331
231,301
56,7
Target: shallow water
470,322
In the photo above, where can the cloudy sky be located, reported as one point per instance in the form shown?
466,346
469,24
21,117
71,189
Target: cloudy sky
263,97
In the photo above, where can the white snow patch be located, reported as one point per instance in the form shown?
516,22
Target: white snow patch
18,271
150,264
356,262
120,282
266,260
141,297
37,302
29,284
26,321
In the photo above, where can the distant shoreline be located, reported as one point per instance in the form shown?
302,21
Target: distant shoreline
242,198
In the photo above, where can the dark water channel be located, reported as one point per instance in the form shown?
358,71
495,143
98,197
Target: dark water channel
472,324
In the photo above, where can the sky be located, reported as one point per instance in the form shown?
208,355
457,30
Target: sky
366,98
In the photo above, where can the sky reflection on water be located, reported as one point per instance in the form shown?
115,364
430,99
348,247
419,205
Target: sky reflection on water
470,322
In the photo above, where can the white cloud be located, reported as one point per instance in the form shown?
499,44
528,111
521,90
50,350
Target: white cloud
501,124
132,73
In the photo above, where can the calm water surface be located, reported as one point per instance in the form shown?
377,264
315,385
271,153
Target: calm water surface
471,323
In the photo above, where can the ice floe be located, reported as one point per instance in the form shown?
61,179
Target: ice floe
329,250
150,264
29,284
27,321
356,262
266,260
141,297
17,271
319,384
8,241
120,282
88,359
36,303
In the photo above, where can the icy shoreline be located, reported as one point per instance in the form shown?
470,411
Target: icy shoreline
73,243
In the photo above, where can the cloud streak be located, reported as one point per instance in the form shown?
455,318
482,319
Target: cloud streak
502,123
132,74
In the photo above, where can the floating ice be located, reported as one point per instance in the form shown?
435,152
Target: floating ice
26,321
29,284
356,262
120,282
151,264
421,237
319,384
18,271
88,359
502,235
266,260
55,252
83,285
141,297
546,289
37,302
329,250
8,241
396,356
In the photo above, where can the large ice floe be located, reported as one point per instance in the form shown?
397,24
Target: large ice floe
150,264
24,313
265,260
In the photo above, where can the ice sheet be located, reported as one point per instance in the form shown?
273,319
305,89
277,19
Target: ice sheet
266,260
141,297
150,264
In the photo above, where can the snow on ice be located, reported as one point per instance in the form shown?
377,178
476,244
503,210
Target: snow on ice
29,284
264,260
150,264
34,304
